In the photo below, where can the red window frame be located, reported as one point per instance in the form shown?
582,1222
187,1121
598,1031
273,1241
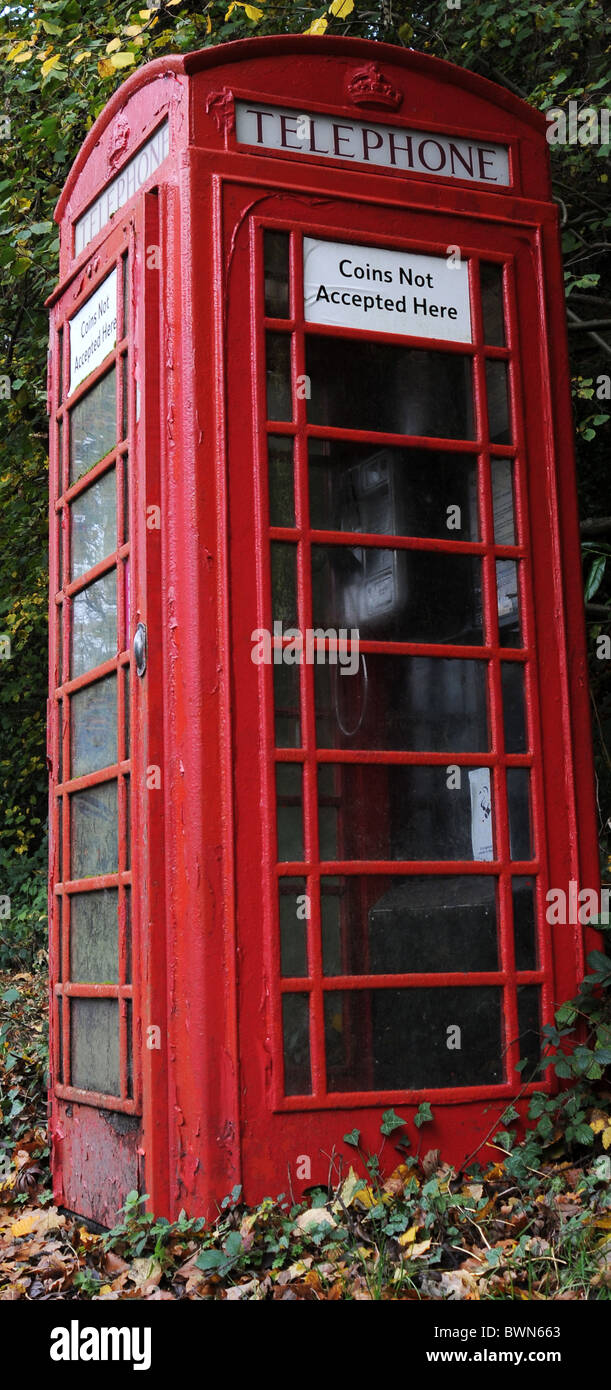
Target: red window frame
502,867
116,253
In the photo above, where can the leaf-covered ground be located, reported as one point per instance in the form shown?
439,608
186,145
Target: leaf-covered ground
507,1230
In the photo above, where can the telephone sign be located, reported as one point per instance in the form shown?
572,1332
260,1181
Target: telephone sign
318,715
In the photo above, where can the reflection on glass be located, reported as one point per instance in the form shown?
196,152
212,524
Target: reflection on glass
93,517
94,624
279,393
397,1039
94,940
94,1045
125,292
366,385
529,1025
296,1030
94,826
60,459
93,426
388,811
281,499
294,912
395,925
286,703
508,602
398,595
289,812
493,312
284,583
124,396
93,717
407,703
60,362
518,797
502,502
276,263
524,929
514,710
498,402
393,492
126,497
126,710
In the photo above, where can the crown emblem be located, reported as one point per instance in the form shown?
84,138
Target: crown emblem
369,87
118,143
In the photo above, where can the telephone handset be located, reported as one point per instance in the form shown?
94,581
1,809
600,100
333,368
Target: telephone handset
375,587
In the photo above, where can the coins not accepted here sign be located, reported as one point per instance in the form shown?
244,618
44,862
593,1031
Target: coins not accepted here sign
386,291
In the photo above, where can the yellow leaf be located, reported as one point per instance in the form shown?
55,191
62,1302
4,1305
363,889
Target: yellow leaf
105,67
145,14
123,60
78,57
420,1249
50,64
230,10
24,57
317,26
599,1121
607,1137
19,47
113,45
24,1226
341,8
253,12
106,1288
208,24
409,1236
603,1223
131,30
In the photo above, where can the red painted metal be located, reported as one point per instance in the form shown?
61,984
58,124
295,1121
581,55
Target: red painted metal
200,1015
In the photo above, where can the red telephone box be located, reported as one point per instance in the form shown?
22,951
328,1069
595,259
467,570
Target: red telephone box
319,727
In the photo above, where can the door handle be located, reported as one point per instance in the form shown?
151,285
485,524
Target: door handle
140,649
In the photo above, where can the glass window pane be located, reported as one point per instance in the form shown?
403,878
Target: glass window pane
93,517
94,827
94,1045
94,624
385,811
493,312
405,703
367,385
125,293
396,925
398,595
508,601
281,488
524,929
294,913
125,497
276,260
289,812
502,502
392,492
413,1039
93,716
284,583
126,709
286,699
94,939
93,426
529,1024
124,396
279,392
514,709
296,1029
498,402
518,797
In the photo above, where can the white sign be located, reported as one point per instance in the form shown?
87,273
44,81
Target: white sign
386,291
367,142
93,331
481,814
131,177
